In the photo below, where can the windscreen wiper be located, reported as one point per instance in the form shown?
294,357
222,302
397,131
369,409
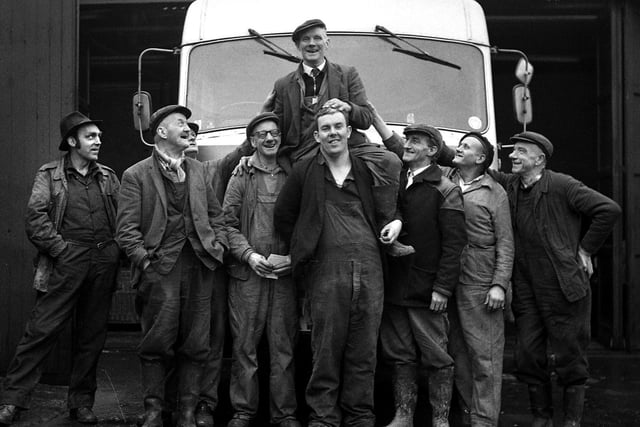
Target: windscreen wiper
418,53
273,48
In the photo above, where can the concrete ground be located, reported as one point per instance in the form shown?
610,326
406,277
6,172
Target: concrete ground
613,396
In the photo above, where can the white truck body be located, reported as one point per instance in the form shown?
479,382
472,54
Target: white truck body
225,76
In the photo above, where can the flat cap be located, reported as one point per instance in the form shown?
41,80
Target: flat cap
194,127
311,23
434,134
262,117
163,112
535,138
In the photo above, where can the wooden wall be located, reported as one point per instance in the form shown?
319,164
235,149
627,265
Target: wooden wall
38,81
630,223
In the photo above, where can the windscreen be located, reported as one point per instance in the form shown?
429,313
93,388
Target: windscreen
228,81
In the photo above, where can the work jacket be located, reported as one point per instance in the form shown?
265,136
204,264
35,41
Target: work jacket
46,209
560,204
432,215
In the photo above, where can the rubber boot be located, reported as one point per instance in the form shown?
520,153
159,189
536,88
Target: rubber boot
405,395
152,412
541,405
573,405
440,391
188,391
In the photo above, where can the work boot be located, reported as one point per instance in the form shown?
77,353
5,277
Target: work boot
8,414
188,391
405,395
83,415
440,391
573,404
239,422
204,415
541,405
152,412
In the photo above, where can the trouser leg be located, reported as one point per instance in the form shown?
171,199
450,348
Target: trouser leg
47,320
213,367
385,169
360,355
463,378
247,318
92,315
483,332
330,304
282,327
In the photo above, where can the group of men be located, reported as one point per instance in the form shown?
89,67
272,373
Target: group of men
378,246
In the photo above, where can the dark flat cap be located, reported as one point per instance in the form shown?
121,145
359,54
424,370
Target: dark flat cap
70,123
194,127
434,134
311,23
535,138
163,112
262,117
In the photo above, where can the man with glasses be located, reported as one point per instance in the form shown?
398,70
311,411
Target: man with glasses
262,294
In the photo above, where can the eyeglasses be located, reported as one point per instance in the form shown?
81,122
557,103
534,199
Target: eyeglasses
263,133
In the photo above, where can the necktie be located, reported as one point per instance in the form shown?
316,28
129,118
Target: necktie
314,76
409,178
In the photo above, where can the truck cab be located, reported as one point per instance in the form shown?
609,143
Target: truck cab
421,61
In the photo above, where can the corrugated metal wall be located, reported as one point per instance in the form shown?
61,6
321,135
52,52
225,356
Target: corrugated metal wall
38,80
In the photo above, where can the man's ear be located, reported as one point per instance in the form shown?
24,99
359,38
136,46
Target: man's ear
162,132
72,141
316,136
481,158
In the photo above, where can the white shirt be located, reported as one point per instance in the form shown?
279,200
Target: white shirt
413,173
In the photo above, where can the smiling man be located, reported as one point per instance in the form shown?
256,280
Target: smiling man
415,325
325,211
318,83
476,315
262,296
171,227
551,288
71,221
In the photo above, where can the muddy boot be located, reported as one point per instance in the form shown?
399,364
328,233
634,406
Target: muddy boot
187,411
541,405
152,412
440,391
573,404
188,391
405,395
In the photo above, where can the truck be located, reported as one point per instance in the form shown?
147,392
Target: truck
421,61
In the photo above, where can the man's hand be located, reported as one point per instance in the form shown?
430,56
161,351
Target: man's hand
585,260
495,298
284,268
243,166
438,302
338,104
259,264
390,232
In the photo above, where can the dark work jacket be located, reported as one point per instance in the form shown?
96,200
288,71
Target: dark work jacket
560,203
432,214
299,210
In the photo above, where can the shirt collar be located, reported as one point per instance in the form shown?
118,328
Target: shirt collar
307,69
68,166
416,172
